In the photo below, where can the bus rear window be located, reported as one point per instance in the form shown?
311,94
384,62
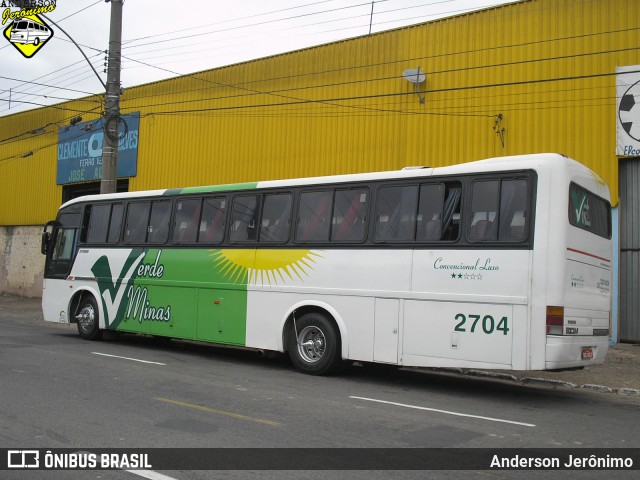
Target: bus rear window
589,212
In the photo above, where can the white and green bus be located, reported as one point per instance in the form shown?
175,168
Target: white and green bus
500,264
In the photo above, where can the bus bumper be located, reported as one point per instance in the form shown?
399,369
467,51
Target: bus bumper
570,352
55,300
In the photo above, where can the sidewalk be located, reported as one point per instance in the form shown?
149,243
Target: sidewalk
619,374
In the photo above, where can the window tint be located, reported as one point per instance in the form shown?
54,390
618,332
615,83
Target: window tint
213,220
65,244
185,225
243,218
98,223
499,210
115,224
70,219
589,212
103,223
513,210
314,214
430,210
484,207
349,215
395,218
148,222
276,218
158,231
136,225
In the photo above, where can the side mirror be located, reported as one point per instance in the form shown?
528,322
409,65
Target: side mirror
44,246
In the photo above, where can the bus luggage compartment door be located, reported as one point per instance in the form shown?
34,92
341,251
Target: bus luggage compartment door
457,334
385,347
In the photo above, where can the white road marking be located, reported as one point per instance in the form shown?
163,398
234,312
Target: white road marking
150,474
457,414
127,358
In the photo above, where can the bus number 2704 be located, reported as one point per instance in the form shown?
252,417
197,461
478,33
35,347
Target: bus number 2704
487,323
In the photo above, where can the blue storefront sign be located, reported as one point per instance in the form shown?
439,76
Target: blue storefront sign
80,150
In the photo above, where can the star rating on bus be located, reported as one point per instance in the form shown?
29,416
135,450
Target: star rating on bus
467,276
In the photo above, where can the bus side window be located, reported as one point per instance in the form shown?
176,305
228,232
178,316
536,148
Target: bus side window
314,214
212,224
276,218
484,210
395,218
243,218
348,222
185,225
430,226
499,210
136,225
513,210
115,223
158,231
98,223
104,223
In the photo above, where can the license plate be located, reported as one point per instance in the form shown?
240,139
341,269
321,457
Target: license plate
587,353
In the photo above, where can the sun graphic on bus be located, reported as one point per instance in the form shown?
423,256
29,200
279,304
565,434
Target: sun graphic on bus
264,266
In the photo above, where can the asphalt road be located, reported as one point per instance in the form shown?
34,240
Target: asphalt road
59,391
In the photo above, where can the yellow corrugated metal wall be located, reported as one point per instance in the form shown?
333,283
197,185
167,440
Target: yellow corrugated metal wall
28,154
546,66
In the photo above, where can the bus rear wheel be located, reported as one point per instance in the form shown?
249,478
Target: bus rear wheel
88,319
314,345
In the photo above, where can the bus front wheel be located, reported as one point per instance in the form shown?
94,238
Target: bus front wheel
314,345
88,319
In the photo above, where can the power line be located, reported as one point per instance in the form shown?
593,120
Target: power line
395,61
229,21
45,85
40,130
176,73
45,96
81,10
388,95
69,16
394,20
498,65
298,16
255,91
182,37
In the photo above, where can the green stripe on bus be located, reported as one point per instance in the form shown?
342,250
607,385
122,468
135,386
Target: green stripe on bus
212,188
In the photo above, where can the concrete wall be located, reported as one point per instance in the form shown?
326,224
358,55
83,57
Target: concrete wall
21,263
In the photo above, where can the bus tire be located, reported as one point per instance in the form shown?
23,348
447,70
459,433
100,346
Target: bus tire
314,344
88,319
36,42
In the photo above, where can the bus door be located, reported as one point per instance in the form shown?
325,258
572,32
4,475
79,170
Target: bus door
60,245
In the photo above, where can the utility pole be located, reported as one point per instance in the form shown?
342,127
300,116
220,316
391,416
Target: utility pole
112,102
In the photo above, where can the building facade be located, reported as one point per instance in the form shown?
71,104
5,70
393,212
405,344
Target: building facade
531,76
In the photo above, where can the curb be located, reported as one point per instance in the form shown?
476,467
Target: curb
547,382
628,391
597,388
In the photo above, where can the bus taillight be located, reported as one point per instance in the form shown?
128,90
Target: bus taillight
555,320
